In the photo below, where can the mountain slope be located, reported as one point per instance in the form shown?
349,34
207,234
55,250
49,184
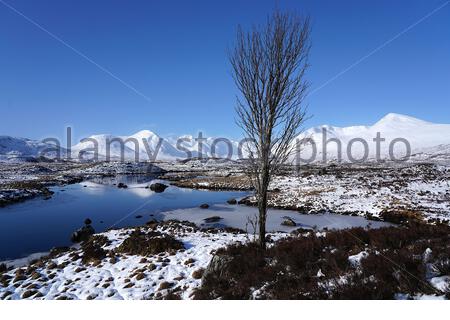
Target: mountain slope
141,145
397,130
426,141
12,148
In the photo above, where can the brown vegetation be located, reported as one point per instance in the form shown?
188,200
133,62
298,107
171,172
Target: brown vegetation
313,267
149,243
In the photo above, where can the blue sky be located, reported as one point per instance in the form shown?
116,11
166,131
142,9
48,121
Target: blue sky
174,53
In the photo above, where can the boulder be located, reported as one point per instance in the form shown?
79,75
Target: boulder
82,234
232,201
204,206
158,187
218,267
288,222
122,186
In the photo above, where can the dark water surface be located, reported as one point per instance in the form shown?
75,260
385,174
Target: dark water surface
38,225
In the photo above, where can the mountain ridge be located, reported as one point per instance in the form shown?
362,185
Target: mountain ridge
424,138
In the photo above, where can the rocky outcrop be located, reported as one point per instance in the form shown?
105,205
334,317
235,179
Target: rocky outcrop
288,222
82,234
218,267
158,187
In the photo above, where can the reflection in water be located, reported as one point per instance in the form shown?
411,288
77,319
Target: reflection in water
37,225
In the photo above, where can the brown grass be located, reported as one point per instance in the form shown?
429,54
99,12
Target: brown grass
149,243
289,269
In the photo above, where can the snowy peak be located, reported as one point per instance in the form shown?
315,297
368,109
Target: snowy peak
420,136
425,138
142,145
144,134
399,119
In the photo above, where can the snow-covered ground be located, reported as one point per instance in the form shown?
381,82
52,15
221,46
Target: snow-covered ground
122,276
358,189
68,274
424,189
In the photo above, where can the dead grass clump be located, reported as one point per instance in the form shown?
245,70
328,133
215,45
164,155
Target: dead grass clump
401,216
165,285
318,267
197,274
29,293
92,249
442,265
148,243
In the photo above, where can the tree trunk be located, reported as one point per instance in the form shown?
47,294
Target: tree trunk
262,220
262,203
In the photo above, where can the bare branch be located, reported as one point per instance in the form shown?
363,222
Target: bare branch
269,65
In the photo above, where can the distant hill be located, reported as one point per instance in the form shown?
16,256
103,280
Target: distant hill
428,141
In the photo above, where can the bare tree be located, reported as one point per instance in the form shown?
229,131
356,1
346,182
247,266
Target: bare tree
269,65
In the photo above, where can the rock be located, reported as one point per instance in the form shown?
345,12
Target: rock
204,206
82,234
232,201
138,216
28,294
158,187
122,186
189,261
152,223
218,267
288,222
140,276
165,285
87,221
197,274
212,219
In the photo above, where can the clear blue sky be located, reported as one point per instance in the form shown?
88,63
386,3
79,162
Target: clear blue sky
174,52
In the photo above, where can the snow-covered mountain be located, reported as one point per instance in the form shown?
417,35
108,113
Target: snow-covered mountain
426,141
398,131
19,149
210,146
141,145
145,143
